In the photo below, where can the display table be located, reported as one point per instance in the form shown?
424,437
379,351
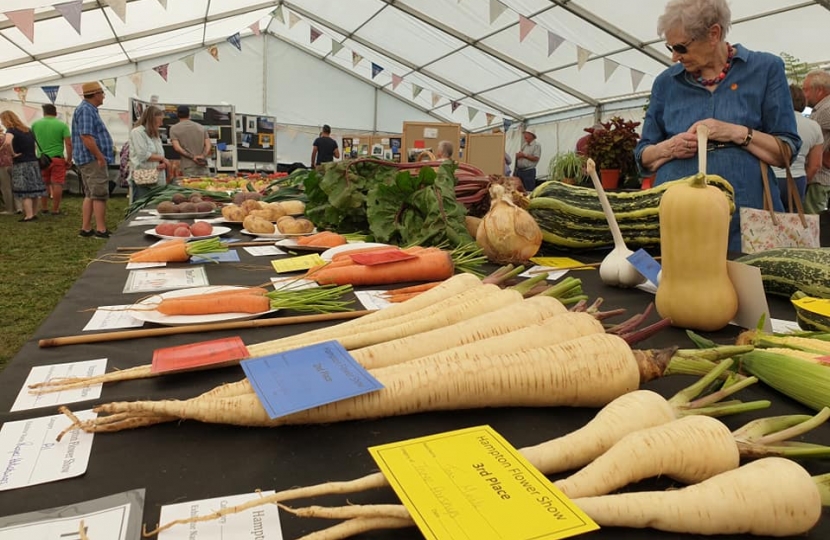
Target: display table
186,461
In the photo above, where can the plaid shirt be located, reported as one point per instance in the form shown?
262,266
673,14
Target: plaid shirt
821,114
87,121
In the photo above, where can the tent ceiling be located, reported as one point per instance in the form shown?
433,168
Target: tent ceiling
452,50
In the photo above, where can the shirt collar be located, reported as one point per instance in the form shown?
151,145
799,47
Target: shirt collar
824,103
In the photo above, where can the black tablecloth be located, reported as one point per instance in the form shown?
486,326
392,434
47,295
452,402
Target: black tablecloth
187,461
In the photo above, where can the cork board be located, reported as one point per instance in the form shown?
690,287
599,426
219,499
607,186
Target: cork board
420,136
486,151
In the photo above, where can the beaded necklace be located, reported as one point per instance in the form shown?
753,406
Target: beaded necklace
722,75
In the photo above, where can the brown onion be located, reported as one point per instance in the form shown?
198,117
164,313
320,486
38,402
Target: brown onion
507,234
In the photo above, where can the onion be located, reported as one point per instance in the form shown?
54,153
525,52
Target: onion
507,234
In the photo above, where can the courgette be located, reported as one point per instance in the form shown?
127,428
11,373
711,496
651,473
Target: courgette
787,270
571,217
809,320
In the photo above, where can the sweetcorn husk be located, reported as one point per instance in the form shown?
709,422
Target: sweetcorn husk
797,374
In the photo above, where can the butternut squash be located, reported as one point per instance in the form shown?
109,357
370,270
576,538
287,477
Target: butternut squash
695,290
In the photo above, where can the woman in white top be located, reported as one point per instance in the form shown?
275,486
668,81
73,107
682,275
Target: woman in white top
146,151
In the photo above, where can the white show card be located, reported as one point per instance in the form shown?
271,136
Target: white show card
112,317
293,284
140,265
372,299
89,368
553,273
262,522
148,220
262,251
110,523
165,279
780,326
30,453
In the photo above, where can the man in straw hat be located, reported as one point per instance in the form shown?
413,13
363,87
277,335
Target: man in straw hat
92,152
526,160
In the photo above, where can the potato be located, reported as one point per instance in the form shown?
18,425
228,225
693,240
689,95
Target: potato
249,205
277,210
285,219
263,213
294,208
232,212
297,226
305,225
257,224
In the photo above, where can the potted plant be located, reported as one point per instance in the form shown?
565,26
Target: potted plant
612,149
567,167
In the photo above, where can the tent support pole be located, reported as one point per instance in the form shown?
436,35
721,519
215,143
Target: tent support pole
265,73
375,122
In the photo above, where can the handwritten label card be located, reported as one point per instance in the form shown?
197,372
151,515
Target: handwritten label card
163,279
260,523
645,264
780,326
471,483
372,299
558,262
140,265
221,256
31,455
307,377
296,264
26,399
553,273
264,251
111,317
193,356
293,284
752,301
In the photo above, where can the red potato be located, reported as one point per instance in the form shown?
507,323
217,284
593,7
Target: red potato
167,229
182,230
201,228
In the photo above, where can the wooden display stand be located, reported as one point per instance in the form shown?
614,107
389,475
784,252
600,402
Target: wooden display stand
421,136
485,151
365,146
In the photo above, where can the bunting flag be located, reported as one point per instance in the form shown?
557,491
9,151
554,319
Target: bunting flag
356,58
21,92
610,67
336,46
110,84
71,11
375,70
435,99
471,113
78,88
496,9
137,78
162,70
236,40
490,118
416,90
314,34
636,78
24,20
255,28
163,3
51,92
292,133
189,61
278,14
214,52
454,105
525,26
125,117
507,123
582,56
554,41
396,80
292,19
119,7
29,113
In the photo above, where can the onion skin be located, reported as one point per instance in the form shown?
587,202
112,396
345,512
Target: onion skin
507,234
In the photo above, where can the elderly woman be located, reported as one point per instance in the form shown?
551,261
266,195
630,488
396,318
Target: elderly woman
146,151
740,95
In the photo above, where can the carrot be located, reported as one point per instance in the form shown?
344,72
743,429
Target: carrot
170,251
348,254
230,292
304,240
429,266
397,298
413,289
327,241
243,302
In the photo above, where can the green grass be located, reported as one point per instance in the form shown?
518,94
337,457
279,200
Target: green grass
39,262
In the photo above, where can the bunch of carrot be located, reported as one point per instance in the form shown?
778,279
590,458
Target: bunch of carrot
429,264
325,239
178,250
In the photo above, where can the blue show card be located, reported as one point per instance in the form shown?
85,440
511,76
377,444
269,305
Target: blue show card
308,377
221,256
645,264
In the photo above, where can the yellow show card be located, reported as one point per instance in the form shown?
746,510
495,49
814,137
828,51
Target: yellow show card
814,305
296,264
558,262
471,483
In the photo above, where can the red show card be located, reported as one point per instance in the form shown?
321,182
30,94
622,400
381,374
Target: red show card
202,355
381,257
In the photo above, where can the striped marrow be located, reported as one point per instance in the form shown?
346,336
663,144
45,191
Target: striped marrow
807,320
787,270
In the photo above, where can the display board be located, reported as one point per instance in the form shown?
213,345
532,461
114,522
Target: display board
217,119
379,146
419,137
485,151
256,139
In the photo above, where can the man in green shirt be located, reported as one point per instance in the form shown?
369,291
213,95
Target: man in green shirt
52,135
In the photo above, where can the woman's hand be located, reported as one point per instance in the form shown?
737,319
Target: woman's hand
681,146
721,131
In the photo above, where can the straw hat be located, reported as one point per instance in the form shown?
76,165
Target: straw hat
90,88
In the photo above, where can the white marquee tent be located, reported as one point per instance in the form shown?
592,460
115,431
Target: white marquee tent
369,65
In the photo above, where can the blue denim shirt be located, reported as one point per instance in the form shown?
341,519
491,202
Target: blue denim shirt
753,94
87,121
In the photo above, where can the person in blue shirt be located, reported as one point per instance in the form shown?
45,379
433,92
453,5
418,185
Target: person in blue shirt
742,96
92,151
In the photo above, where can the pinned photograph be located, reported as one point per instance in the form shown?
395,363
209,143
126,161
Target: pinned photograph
227,160
246,140
266,140
238,123
266,124
250,124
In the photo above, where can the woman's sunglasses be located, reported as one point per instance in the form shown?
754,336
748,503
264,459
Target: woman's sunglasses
680,48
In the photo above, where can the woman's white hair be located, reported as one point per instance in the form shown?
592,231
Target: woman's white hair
695,17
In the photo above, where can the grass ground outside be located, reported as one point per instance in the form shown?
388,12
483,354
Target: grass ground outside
39,262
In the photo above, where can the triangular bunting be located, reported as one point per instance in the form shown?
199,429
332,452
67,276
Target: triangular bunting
277,14
610,67
236,40
119,7
314,34
554,41
416,90
214,52
24,20
189,61
162,70
71,11
490,118
435,99
582,56
454,105
396,80
51,92
636,78
356,58
525,26
21,92
163,3
471,113
507,123
125,117
79,89
336,46
137,78
292,133
110,84
496,9
292,19
255,28
29,113
375,70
